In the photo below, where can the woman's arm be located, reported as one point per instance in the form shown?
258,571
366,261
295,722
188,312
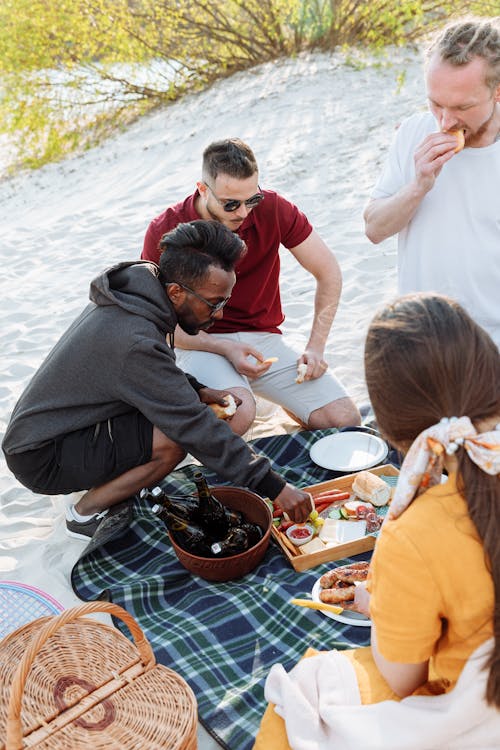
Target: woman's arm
403,679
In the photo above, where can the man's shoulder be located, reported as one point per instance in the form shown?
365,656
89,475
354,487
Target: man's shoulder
275,205
277,219
416,127
273,198
176,214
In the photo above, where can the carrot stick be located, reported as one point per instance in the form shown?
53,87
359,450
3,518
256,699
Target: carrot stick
320,507
332,498
333,491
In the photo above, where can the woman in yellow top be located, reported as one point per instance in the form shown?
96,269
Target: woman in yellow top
433,377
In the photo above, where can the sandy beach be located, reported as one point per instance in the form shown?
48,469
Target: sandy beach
320,130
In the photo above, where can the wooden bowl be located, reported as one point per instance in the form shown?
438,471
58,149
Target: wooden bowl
234,566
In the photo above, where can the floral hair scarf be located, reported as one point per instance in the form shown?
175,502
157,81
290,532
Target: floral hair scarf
423,465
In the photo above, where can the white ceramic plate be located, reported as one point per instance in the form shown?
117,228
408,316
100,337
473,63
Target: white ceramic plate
347,616
349,451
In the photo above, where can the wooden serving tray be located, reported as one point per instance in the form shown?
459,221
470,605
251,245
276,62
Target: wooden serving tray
301,561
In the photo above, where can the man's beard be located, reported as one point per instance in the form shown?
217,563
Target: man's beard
233,224
483,128
192,330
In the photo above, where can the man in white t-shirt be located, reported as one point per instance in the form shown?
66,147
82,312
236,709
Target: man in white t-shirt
444,202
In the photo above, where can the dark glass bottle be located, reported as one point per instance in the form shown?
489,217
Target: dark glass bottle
186,507
212,513
234,517
253,531
234,543
187,534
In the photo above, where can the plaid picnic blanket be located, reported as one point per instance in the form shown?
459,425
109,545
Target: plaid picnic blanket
221,637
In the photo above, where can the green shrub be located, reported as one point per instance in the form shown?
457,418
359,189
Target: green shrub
72,71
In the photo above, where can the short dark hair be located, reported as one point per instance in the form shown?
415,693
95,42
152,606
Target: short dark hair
191,248
232,157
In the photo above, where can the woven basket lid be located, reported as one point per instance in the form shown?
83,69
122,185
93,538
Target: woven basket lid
138,704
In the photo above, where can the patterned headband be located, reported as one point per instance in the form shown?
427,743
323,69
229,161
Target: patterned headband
423,465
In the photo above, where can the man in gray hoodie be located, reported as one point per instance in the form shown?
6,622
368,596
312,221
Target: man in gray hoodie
110,412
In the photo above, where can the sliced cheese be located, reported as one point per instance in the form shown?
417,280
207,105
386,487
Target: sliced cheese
313,546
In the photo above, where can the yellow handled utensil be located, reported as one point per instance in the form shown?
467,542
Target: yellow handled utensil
317,605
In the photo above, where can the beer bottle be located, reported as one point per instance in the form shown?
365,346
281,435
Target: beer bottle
212,513
187,534
234,517
234,543
253,531
186,507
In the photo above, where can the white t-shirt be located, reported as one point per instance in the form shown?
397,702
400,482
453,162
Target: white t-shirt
452,244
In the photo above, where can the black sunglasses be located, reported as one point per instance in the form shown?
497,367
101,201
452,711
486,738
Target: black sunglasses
232,204
214,307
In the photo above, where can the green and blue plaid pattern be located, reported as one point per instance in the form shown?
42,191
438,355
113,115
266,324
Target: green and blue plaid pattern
221,637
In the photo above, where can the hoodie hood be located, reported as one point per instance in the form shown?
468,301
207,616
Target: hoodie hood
135,287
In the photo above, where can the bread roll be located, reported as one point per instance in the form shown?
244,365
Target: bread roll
460,136
301,372
227,411
371,488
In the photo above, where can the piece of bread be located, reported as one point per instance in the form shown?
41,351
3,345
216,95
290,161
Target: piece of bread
227,411
301,372
270,360
371,488
460,136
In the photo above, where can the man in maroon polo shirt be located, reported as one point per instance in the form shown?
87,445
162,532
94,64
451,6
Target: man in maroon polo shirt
233,355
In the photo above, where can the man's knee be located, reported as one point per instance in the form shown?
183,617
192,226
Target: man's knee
340,413
165,450
245,413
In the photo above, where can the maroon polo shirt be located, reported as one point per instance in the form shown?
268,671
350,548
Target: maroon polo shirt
255,303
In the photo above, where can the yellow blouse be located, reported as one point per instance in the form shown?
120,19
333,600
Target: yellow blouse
432,598
432,595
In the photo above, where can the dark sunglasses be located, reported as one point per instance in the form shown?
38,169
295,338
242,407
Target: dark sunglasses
232,204
214,307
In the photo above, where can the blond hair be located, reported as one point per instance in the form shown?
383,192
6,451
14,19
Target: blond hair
462,41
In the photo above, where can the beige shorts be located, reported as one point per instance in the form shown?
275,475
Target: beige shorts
277,384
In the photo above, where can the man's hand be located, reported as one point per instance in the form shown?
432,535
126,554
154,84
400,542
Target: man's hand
385,217
246,360
296,503
214,396
316,365
434,151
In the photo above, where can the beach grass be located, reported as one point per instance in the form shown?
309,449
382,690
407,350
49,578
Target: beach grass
75,73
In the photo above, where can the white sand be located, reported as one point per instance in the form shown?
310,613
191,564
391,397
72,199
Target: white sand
320,131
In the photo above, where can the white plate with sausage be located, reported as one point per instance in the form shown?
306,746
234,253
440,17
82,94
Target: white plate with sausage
349,573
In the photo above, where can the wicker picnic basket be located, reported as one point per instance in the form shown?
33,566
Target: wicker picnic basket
69,682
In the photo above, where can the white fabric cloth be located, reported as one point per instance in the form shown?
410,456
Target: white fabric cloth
320,704
452,244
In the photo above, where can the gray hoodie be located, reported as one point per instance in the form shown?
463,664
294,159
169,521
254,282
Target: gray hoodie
113,358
